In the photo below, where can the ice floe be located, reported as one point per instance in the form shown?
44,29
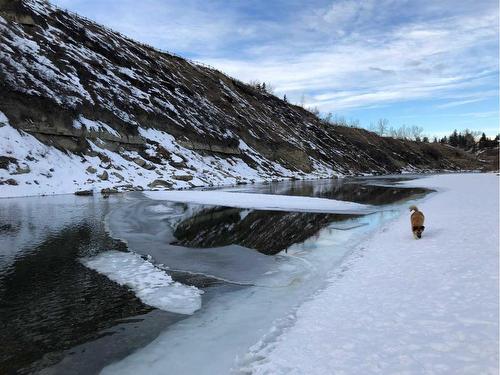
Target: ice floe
261,201
150,284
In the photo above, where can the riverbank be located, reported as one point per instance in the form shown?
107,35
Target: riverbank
29,167
399,305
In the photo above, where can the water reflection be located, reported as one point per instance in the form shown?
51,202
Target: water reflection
49,302
367,190
269,232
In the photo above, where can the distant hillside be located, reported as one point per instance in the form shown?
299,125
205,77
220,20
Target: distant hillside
490,159
98,110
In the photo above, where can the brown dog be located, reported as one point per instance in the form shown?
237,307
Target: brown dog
417,222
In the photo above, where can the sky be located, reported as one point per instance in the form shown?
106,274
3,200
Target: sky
429,63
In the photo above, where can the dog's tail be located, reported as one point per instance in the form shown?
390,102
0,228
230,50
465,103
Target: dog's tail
413,208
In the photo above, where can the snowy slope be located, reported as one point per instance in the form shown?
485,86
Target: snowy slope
31,167
117,113
401,305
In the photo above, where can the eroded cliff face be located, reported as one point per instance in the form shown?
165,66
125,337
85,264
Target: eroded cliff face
78,98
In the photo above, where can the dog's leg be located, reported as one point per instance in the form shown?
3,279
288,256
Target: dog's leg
415,236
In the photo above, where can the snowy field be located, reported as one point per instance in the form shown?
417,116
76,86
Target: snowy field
405,306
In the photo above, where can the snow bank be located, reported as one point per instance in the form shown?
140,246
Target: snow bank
151,285
401,305
261,201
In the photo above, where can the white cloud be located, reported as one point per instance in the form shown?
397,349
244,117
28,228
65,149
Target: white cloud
174,25
342,12
424,59
459,102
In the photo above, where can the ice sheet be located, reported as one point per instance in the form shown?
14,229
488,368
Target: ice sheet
148,227
150,284
209,342
261,201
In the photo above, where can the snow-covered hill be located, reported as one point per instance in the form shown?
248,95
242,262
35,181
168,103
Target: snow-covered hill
83,107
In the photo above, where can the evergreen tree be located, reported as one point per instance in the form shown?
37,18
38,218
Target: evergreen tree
483,141
461,140
453,141
470,142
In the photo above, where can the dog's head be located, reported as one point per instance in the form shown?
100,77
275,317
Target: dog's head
417,230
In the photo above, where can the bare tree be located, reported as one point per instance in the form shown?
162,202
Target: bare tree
255,84
302,102
264,87
314,110
328,118
342,121
403,132
392,132
269,88
339,120
415,132
382,127
354,123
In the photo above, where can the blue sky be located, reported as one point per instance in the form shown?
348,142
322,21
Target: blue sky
433,64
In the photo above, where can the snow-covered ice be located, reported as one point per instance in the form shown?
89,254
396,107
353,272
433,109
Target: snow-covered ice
150,284
148,229
209,341
400,305
261,201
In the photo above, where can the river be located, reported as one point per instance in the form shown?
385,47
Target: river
254,267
